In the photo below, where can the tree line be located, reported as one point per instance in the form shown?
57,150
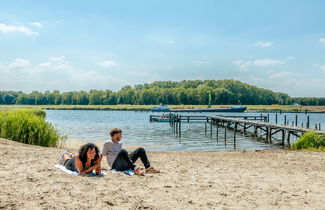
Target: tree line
187,92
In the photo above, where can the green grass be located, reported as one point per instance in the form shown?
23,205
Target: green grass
310,141
29,127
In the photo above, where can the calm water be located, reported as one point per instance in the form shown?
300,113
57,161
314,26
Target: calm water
93,126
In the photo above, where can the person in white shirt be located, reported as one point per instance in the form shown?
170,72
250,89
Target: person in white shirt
119,159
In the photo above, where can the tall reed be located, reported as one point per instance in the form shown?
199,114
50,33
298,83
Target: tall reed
29,127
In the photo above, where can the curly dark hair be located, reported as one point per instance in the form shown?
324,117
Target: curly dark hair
83,153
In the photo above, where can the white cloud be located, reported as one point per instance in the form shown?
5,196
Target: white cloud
9,28
320,67
246,65
263,44
199,62
243,65
37,24
55,63
108,63
290,58
267,62
290,85
55,73
281,75
19,62
322,41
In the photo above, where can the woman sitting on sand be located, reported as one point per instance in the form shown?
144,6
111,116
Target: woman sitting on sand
85,162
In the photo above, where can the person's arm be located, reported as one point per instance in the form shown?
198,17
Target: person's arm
98,162
81,169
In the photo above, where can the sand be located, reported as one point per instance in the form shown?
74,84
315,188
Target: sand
189,180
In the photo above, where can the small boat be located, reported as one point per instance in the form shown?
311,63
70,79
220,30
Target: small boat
160,109
163,118
227,109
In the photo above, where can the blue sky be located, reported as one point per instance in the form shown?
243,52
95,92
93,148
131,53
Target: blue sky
83,45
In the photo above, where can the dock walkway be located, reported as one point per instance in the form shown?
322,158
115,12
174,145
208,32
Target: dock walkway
255,125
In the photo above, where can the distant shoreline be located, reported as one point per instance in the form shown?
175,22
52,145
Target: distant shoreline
147,108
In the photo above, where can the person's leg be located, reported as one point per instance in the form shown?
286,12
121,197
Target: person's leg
140,153
123,161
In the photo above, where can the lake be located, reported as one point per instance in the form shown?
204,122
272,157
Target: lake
93,126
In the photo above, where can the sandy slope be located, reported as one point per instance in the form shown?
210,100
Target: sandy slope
194,180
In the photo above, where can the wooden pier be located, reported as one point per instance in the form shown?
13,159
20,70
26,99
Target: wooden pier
257,126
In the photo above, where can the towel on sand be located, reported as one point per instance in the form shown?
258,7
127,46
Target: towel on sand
128,172
64,169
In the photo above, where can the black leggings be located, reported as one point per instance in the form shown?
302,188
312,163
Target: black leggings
124,161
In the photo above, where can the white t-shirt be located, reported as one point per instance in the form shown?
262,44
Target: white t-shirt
110,150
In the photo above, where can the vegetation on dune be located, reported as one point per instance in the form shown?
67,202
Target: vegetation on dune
29,127
310,140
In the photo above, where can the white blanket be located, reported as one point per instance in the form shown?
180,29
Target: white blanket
92,174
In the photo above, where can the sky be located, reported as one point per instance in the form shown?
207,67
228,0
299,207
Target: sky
84,45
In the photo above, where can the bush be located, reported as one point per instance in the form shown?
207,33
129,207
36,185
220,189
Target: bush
29,127
310,140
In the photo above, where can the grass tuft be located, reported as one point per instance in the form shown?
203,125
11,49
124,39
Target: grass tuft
310,141
29,127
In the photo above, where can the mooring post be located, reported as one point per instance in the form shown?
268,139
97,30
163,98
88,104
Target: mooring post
316,126
268,117
296,120
285,119
319,126
205,128
235,135
276,118
307,124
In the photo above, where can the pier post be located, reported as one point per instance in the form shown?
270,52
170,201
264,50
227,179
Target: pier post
283,137
217,132
276,118
180,126
269,134
268,117
235,135
288,139
211,128
319,126
205,128
225,136
307,124
285,119
296,120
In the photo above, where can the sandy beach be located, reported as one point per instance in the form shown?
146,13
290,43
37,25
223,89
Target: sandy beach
189,180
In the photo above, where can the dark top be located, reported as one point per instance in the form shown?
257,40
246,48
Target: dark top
70,164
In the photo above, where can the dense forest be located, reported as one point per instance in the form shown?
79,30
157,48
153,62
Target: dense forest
187,92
